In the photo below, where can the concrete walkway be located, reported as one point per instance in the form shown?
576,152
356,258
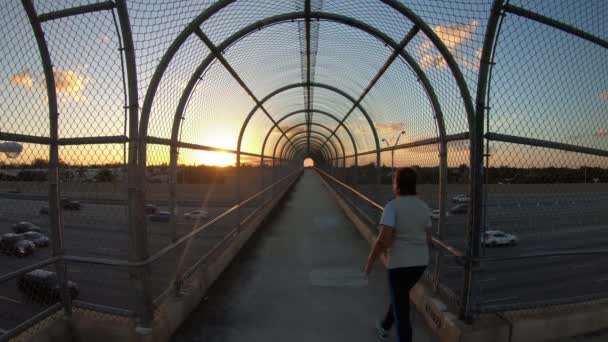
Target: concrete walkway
299,279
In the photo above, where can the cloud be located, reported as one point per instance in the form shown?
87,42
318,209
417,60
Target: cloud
453,36
69,83
22,79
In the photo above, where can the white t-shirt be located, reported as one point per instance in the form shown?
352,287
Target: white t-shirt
410,217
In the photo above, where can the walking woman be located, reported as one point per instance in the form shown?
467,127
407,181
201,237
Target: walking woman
405,232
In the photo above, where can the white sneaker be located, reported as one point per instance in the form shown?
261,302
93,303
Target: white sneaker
381,332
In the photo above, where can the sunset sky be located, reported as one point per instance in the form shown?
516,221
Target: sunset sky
546,84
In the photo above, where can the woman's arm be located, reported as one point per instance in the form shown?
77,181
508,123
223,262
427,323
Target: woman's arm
382,243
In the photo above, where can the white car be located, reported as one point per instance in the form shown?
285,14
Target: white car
494,238
461,199
197,214
435,214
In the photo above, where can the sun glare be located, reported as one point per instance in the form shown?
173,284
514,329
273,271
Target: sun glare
309,162
214,158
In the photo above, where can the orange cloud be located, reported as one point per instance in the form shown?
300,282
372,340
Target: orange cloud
22,79
452,36
69,83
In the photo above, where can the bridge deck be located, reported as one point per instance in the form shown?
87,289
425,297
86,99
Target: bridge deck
299,280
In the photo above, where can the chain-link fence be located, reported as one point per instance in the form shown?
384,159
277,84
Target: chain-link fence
140,137
518,196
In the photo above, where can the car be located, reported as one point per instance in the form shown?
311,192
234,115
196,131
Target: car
435,214
161,216
150,209
43,286
22,227
197,214
461,198
40,240
16,244
459,209
494,238
44,211
69,204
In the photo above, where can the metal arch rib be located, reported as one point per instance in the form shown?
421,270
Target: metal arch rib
302,142
281,153
291,16
316,111
303,84
181,38
322,126
333,149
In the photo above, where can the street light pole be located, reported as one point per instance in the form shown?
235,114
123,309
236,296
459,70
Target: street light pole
393,150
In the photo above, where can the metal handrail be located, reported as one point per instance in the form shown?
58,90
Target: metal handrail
437,242
455,252
181,240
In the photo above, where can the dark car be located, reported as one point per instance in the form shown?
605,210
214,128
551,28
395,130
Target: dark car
44,211
150,209
16,244
460,209
69,204
40,240
22,227
42,286
161,216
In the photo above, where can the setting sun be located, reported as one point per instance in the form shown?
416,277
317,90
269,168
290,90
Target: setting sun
214,158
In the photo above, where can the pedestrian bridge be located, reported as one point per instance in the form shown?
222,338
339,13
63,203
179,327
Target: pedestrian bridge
160,145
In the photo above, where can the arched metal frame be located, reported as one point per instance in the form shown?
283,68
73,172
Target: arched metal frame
318,85
318,125
302,142
318,111
317,144
194,26
334,151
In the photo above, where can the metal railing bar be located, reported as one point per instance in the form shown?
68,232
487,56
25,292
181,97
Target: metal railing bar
68,12
439,243
103,308
418,143
24,138
115,139
180,241
26,269
167,142
522,12
30,322
546,144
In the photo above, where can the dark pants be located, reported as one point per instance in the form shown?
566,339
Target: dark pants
400,281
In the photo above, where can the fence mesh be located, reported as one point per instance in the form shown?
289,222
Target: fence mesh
156,104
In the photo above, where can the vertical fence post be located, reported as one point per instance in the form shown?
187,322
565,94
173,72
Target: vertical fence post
443,182
136,193
55,215
476,215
